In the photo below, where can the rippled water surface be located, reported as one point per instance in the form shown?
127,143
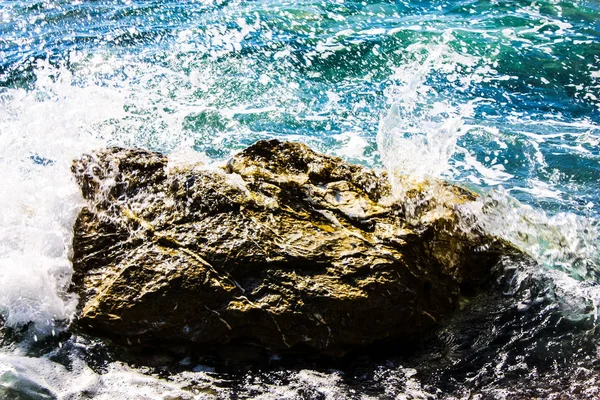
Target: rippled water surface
502,97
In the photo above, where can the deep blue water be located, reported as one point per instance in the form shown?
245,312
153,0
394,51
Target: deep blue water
500,96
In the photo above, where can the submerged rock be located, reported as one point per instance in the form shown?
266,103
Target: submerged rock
282,248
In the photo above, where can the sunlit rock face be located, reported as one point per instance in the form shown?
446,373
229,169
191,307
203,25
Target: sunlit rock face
281,247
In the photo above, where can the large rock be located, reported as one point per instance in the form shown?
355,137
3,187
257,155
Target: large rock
282,247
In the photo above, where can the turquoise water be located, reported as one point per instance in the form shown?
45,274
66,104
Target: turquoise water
500,96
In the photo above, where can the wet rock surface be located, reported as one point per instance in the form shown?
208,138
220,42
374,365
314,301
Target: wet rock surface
280,248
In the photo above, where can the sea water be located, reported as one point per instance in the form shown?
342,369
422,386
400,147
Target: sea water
502,97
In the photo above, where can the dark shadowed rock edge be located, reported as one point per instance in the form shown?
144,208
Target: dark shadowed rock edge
282,248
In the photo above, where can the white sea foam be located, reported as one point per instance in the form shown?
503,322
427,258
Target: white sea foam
42,131
42,378
353,145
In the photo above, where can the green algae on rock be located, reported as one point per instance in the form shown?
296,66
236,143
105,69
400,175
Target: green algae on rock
282,247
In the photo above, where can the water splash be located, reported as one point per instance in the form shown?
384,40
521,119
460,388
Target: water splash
42,131
419,135
565,241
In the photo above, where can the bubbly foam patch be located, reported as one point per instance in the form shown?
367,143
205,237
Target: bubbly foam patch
42,131
41,378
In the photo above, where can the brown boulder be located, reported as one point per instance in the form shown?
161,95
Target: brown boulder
282,247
